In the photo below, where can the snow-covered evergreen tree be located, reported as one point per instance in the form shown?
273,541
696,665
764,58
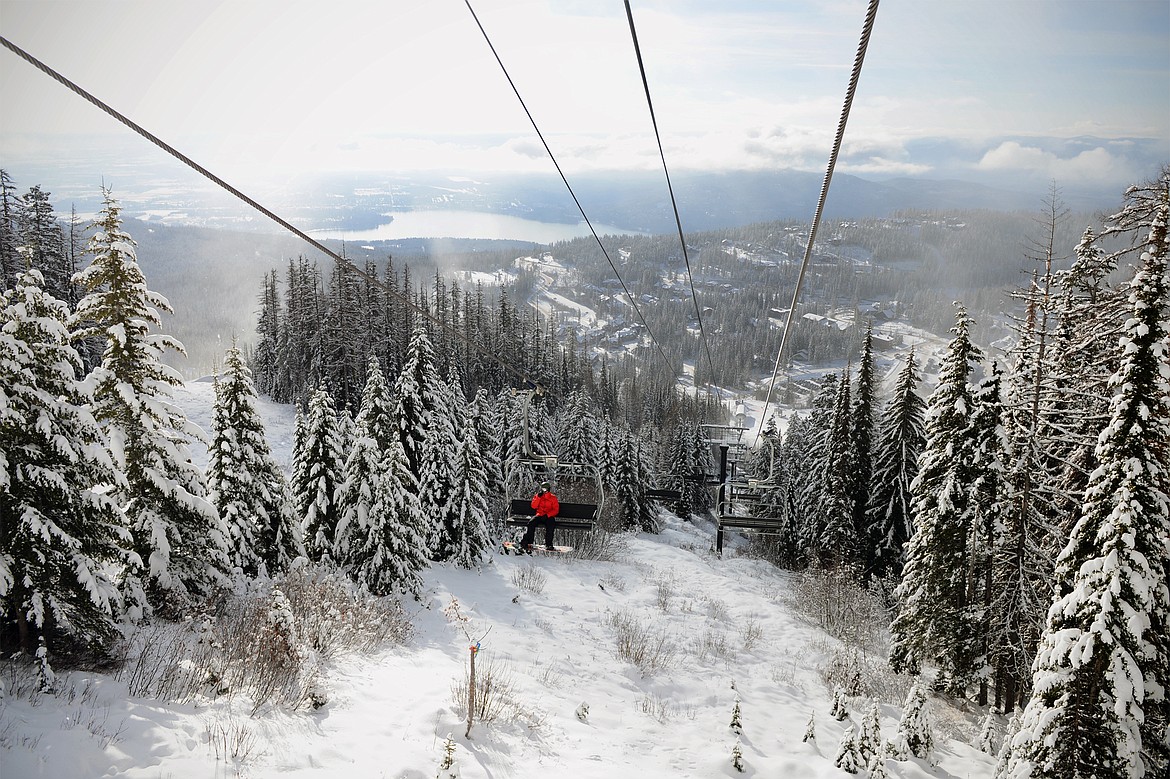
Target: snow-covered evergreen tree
869,742
859,476
915,733
347,428
416,396
356,496
394,551
986,507
436,480
465,538
448,766
985,741
810,479
631,487
42,244
934,619
840,708
849,757
837,544
178,535
1099,704
245,482
11,265
61,531
810,730
899,442
322,473
375,417
481,415
577,442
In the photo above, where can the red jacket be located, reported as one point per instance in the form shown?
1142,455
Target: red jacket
546,504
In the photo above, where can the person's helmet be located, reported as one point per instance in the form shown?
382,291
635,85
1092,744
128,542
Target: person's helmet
544,485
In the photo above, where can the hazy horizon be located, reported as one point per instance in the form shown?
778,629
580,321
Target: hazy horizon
1001,93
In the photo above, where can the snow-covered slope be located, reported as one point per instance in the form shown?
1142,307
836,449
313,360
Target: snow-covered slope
548,629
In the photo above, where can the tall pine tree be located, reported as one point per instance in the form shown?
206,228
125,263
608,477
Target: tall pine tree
178,535
321,473
933,619
899,442
62,534
1099,705
246,483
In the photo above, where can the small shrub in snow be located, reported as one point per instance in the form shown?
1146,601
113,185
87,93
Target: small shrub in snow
582,712
877,767
664,592
810,730
648,649
448,769
986,740
737,757
736,723
713,644
495,692
529,578
613,582
849,753
665,710
751,632
870,741
596,545
914,730
264,639
716,609
840,707
230,740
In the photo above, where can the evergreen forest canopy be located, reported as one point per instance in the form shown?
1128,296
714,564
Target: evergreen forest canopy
1048,466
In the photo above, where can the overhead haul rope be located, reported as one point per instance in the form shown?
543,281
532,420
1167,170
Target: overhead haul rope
522,375
857,62
551,156
674,204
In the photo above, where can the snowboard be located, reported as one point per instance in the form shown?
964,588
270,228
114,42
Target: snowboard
513,547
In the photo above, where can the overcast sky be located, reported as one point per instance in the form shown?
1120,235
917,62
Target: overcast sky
257,89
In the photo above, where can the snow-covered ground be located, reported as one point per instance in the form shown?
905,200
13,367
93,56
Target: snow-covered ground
723,629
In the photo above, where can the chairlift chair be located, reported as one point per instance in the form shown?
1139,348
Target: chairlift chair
578,486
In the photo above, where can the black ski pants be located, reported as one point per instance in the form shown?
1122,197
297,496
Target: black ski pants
530,530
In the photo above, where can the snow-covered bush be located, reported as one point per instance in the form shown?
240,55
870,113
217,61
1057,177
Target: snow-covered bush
833,601
864,675
595,545
529,578
647,648
264,640
335,616
495,692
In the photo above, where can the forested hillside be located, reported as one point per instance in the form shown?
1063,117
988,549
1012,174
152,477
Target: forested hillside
1034,473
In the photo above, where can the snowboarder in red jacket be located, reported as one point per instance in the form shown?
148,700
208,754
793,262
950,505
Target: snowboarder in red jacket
546,506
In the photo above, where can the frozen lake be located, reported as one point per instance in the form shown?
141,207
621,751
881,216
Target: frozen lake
468,224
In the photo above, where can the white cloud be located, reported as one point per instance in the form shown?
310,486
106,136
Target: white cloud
1097,166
